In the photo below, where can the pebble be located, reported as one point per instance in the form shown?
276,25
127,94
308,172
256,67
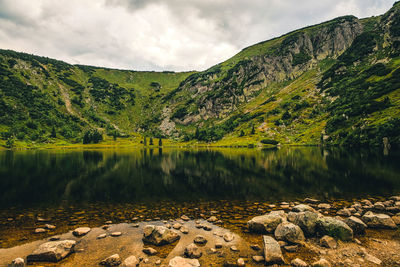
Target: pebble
40,230
258,259
101,236
234,248
228,237
115,234
149,251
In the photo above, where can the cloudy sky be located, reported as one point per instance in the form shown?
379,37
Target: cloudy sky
160,34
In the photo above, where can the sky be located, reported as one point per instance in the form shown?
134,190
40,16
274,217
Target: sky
176,35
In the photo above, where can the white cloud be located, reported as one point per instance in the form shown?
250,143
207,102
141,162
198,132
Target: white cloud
160,35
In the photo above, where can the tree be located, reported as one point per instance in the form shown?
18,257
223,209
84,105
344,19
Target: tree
10,142
151,141
159,142
53,133
253,131
92,136
197,133
241,133
144,141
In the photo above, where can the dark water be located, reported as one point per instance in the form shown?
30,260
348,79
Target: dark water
33,178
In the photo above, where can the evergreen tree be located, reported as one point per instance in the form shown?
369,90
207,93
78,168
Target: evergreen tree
241,133
151,141
145,141
159,142
197,133
53,133
253,131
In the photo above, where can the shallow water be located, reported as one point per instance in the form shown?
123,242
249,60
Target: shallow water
88,187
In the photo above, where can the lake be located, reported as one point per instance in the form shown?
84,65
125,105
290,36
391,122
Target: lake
91,186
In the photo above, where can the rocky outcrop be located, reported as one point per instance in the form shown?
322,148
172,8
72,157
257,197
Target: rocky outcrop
52,251
159,235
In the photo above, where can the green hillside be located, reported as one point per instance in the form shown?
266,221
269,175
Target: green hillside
337,82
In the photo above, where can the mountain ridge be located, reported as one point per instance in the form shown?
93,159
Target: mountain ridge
293,89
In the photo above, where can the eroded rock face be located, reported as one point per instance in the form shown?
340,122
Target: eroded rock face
182,262
159,235
379,221
334,228
272,251
289,232
52,251
266,223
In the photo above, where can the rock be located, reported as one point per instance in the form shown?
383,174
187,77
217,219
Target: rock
335,228
344,212
379,206
311,200
372,259
321,263
302,207
81,231
212,219
158,262
115,234
54,238
258,259
228,237
234,248
266,223
291,248
192,251
240,262
136,225
159,235
298,263
182,262
289,232
40,230
149,251
218,245
185,218
131,261
18,262
50,226
396,219
177,226
356,225
207,228
328,242
113,260
379,221
306,220
272,251
324,206
199,239
184,230
101,236
52,251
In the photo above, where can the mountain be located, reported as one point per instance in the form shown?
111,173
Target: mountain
337,82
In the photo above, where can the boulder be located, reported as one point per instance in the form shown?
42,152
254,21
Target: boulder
266,223
193,252
298,263
272,251
344,212
289,232
159,235
380,221
131,261
328,242
306,220
356,225
324,206
52,251
18,262
113,260
81,231
302,207
182,262
335,228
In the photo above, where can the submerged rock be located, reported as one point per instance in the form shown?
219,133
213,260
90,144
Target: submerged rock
289,232
131,261
380,221
335,228
159,235
192,251
182,262
113,260
266,223
52,251
272,251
